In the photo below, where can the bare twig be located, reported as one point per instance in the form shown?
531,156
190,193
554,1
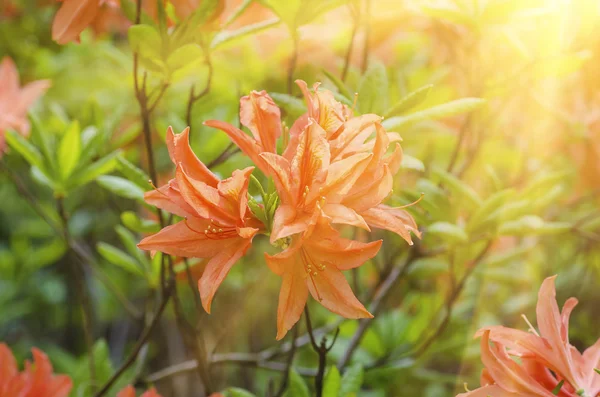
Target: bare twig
195,97
321,349
383,290
229,151
289,362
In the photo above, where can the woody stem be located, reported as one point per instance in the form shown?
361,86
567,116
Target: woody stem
321,349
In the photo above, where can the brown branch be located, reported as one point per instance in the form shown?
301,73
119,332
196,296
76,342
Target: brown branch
195,97
229,151
289,362
321,349
382,291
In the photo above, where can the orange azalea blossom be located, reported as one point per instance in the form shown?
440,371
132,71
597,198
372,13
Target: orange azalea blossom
36,380
129,391
16,100
546,358
218,224
314,265
330,167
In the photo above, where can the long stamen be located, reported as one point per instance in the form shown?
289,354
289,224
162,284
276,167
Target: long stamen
411,204
531,327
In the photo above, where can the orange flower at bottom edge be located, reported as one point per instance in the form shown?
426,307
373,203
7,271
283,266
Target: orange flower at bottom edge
546,358
35,380
129,391
314,264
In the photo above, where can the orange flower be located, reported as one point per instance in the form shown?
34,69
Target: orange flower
546,358
314,264
218,224
331,167
36,380
129,391
262,117
16,100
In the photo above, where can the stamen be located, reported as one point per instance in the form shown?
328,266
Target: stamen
531,327
355,101
411,204
466,388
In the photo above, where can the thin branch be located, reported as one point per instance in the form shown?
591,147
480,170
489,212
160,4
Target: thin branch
141,342
195,97
229,151
382,291
321,349
289,362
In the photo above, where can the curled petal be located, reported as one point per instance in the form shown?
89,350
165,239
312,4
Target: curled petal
279,168
339,213
181,153
287,221
392,219
169,198
292,298
342,175
262,117
235,189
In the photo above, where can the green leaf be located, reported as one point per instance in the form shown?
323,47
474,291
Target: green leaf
489,206
258,210
29,152
342,88
237,392
130,243
352,381
373,89
237,13
448,232
69,150
428,268
449,109
40,135
293,106
121,187
296,386
184,56
133,173
133,222
332,384
533,225
410,101
46,254
248,30
103,166
412,163
119,258
145,40
465,191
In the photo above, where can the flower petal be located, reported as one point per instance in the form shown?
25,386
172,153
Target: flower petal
488,391
331,289
262,117
287,221
181,153
342,175
218,268
248,145
279,168
339,213
168,198
72,18
187,239
392,219
9,77
292,297
235,189
370,190
329,248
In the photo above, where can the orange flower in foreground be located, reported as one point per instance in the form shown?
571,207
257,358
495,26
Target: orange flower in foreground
129,391
314,265
36,380
16,100
218,224
546,358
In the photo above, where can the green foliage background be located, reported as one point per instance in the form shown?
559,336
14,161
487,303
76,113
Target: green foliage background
497,105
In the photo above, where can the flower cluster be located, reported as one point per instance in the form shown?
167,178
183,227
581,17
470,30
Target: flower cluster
334,169
545,364
36,380
16,100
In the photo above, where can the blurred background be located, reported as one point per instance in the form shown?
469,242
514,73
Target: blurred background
498,105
